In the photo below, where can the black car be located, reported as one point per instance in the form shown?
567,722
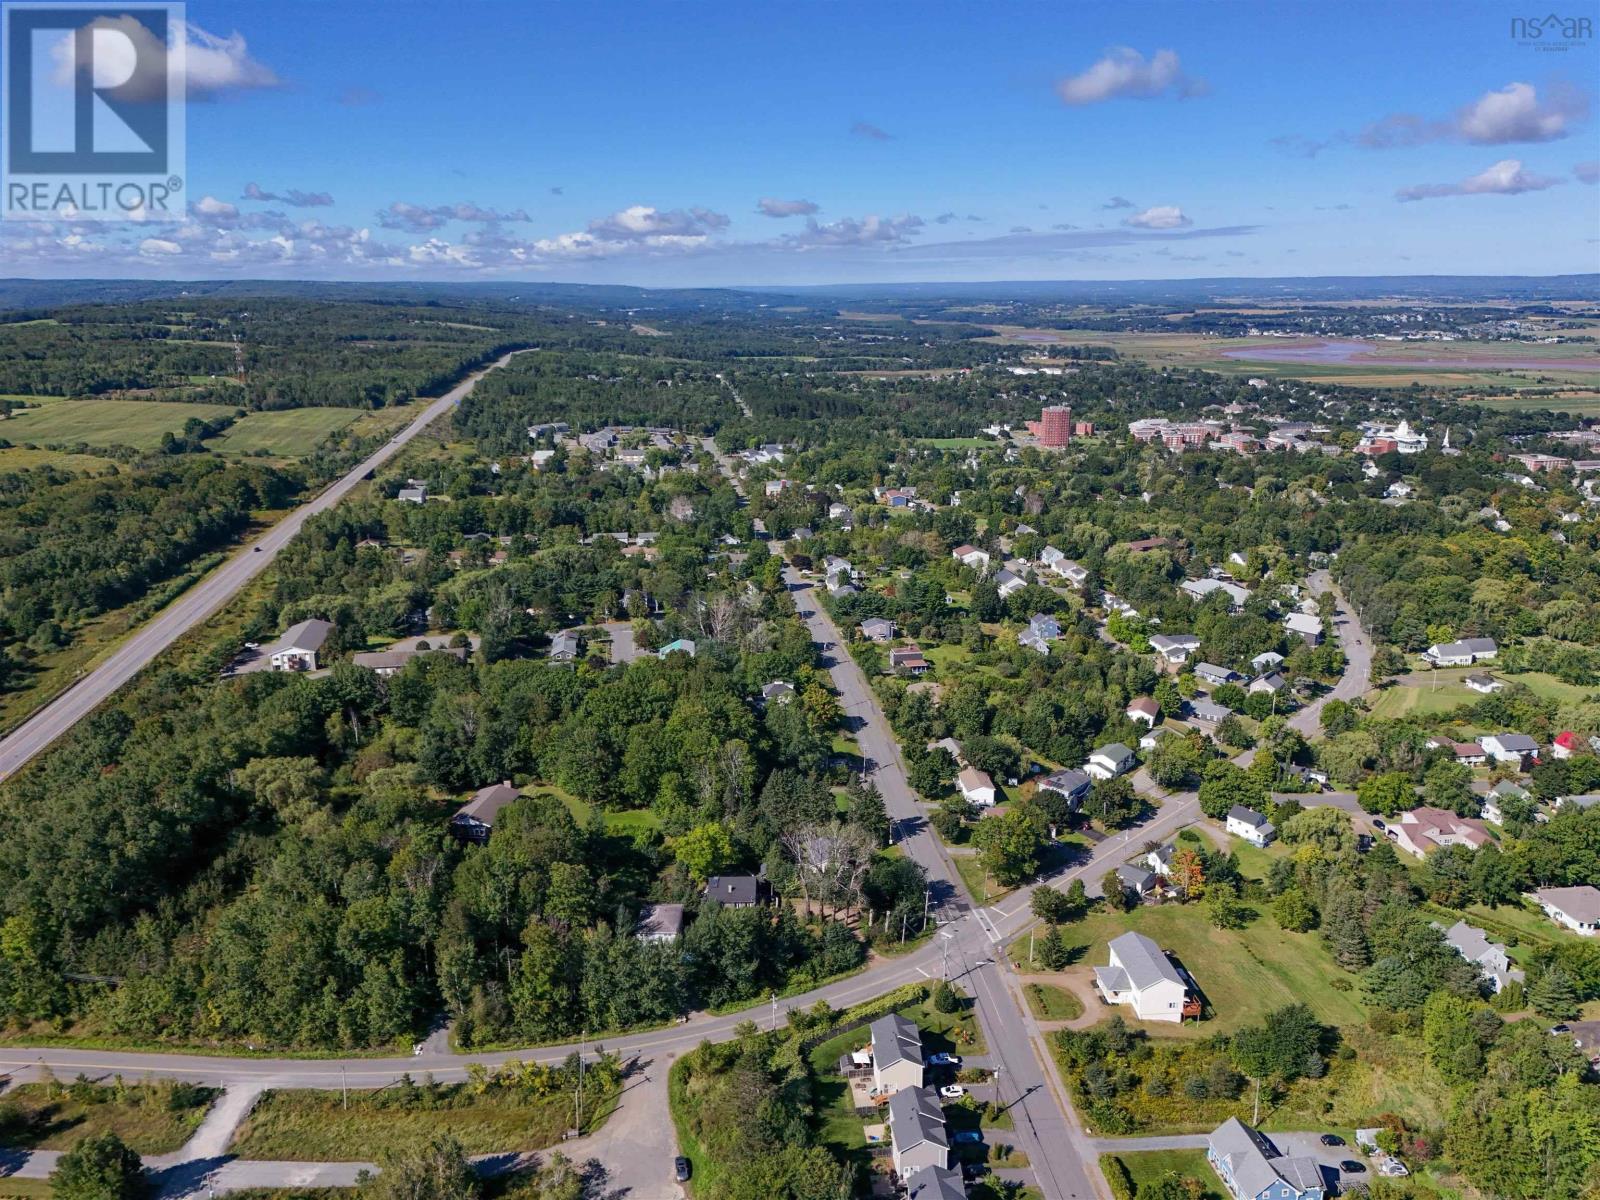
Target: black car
1332,1139
1351,1167
680,1169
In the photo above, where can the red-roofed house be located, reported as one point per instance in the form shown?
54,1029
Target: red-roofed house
1565,744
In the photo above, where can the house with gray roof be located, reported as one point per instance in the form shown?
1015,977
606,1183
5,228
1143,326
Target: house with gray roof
474,820
1216,676
896,1053
1174,648
660,923
1073,784
1250,825
1110,761
1141,976
1576,908
297,649
1462,653
734,891
877,629
935,1183
1206,711
1252,1168
916,1131
1490,957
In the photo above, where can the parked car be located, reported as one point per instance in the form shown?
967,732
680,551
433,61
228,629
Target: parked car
944,1060
1332,1139
1351,1167
681,1169
952,1091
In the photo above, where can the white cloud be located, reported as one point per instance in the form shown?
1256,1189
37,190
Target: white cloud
156,247
210,206
850,231
415,218
1126,73
768,206
1162,216
1511,114
127,50
1505,178
1514,114
293,197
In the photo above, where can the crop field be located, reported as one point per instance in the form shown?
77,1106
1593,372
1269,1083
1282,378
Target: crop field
1388,364
136,423
19,458
287,432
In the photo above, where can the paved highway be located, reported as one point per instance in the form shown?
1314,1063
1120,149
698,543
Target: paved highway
200,601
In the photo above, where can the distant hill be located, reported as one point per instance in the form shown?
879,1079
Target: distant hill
1520,289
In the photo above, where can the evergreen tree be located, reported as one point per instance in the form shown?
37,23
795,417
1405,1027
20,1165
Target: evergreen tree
1341,928
1554,995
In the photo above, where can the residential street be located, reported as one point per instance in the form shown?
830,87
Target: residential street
141,646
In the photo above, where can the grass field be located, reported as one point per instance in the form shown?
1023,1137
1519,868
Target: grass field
956,443
152,1120
1418,696
1244,973
288,432
312,1126
1390,364
20,458
136,423
1151,1166
1050,1003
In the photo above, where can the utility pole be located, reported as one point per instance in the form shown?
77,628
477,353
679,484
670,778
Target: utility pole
927,894
577,1105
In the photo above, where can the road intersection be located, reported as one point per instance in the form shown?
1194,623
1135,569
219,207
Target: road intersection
969,945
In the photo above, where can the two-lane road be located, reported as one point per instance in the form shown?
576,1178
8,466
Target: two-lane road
206,597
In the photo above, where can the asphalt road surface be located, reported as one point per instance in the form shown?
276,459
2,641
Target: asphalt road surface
201,601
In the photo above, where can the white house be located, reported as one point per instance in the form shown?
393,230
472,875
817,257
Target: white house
1577,908
1305,626
1462,653
1140,975
297,649
971,556
660,923
1485,685
1216,676
1143,709
1514,748
1200,589
1008,582
1175,648
975,786
1422,829
1490,957
1110,761
1250,825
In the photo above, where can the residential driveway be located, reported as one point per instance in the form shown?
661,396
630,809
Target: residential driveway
637,1145
623,647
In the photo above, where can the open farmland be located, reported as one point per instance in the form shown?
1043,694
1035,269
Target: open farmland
136,423
286,432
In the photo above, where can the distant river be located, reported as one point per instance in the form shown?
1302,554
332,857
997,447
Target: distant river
1319,350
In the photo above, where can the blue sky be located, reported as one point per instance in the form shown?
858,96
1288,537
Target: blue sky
635,143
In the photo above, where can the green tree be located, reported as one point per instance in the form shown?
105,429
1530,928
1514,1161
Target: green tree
436,1170
99,1167
1450,1038
1224,907
1293,911
704,851
1387,794
1553,995
1008,845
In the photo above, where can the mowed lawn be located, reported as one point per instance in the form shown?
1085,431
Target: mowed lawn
1244,973
1418,696
136,423
1149,1167
288,432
